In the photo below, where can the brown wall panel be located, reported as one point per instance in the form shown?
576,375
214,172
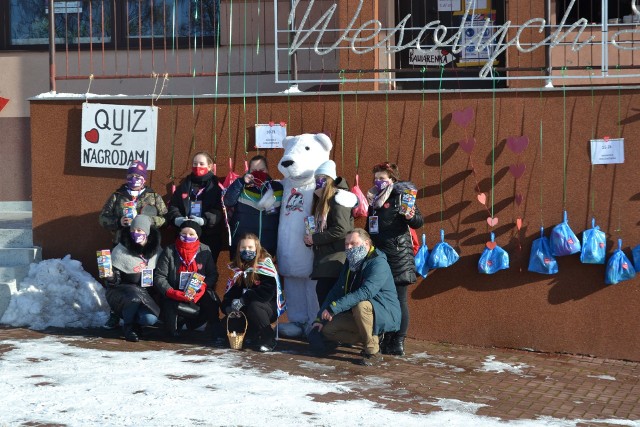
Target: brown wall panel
572,311
15,159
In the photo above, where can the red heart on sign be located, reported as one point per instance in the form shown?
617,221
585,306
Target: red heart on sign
517,169
92,136
467,145
517,144
491,245
464,117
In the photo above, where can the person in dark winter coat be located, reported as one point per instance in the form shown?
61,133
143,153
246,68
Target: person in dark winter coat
253,289
333,218
389,230
199,198
129,290
363,302
255,199
132,198
175,272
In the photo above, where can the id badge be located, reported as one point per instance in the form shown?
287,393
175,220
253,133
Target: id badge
196,208
185,277
147,278
373,225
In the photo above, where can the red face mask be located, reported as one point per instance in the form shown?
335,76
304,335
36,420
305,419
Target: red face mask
199,170
259,177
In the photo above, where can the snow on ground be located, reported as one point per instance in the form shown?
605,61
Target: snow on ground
603,377
57,292
491,365
52,380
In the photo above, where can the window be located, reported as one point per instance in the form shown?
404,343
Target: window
591,10
112,22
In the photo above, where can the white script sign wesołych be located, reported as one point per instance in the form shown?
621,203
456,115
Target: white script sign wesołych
113,136
607,151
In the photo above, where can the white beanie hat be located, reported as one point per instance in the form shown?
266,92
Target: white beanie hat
328,168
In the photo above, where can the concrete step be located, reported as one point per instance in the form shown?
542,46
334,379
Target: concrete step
17,273
16,238
10,257
16,206
16,220
6,289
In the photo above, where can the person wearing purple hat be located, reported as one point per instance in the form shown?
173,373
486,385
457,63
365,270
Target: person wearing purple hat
132,198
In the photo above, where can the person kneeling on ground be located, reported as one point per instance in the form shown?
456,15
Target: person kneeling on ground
362,304
253,289
130,288
175,274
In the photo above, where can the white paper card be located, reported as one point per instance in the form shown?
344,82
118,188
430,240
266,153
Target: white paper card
607,151
449,5
270,135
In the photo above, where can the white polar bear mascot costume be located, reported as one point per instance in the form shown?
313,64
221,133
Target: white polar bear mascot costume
303,154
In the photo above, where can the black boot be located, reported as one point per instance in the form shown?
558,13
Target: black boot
396,346
385,342
129,333
267,339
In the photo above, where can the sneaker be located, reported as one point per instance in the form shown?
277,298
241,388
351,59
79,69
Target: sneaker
113,322
370,359
266,348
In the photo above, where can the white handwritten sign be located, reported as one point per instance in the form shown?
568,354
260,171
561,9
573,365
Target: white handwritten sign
423,57
449,5
607,151
113,136
270,135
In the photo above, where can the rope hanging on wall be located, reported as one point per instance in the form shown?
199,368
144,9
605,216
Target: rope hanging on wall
342,80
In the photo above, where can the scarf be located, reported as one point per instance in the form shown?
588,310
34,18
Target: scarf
203,180
377,199
187,253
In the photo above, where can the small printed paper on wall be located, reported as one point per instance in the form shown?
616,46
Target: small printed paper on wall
607,151
270,135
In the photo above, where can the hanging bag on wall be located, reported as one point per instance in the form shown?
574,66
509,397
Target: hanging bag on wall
361,209
541,260
422,257
635,254
563,240
442,255
594,245
619,267
493,258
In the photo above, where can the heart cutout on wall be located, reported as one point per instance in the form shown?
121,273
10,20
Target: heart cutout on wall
519,223
517,169
491,245
467,145
482,198
517,144
492,221
92,136
463,117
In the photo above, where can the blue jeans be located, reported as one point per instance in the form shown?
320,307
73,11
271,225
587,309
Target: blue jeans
137,313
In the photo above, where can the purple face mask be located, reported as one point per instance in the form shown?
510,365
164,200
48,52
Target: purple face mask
380,184
320,183
135,182
138,237
188,239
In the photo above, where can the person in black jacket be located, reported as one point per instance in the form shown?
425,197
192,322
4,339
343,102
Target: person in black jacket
129,290
175,270
255,199
199,198
389,230
253,289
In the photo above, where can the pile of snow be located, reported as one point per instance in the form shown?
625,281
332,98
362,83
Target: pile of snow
57,292
491,365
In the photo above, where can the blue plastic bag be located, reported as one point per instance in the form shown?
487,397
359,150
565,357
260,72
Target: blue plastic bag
563,240
493,259
619,267
635,253
541,259
442,255
594,245
422,257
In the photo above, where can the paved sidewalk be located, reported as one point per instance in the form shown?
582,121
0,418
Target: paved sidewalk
500,383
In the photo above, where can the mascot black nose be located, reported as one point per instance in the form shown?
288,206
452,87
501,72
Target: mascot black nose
287,163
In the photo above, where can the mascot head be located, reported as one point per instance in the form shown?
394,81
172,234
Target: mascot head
303,154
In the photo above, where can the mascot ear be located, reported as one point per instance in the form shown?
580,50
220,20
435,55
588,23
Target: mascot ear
287,141
324,140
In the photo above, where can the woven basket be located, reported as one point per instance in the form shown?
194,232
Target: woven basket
236,338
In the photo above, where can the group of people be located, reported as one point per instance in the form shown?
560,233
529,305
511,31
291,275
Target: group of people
361,275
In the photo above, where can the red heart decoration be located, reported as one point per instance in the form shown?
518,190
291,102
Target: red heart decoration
3,102
625,265
482,198
463,117
492,221
601,245
517,169
517,144
92,136
467,144
518,199
491,245
519,223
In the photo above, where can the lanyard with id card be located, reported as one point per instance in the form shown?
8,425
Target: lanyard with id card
196,208
185,277
373,224
146,280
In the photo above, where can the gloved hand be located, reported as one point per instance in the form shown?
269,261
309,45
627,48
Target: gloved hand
237,304
179,220
197,219
199,294
177,295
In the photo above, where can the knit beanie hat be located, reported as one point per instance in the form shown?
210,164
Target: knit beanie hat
139,168
143,222
328,168
192,224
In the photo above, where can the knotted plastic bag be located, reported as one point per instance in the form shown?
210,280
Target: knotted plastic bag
541,259
594,245
422,257
231,176
493,258
635,253
442,255
563,240
361,209
619,267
